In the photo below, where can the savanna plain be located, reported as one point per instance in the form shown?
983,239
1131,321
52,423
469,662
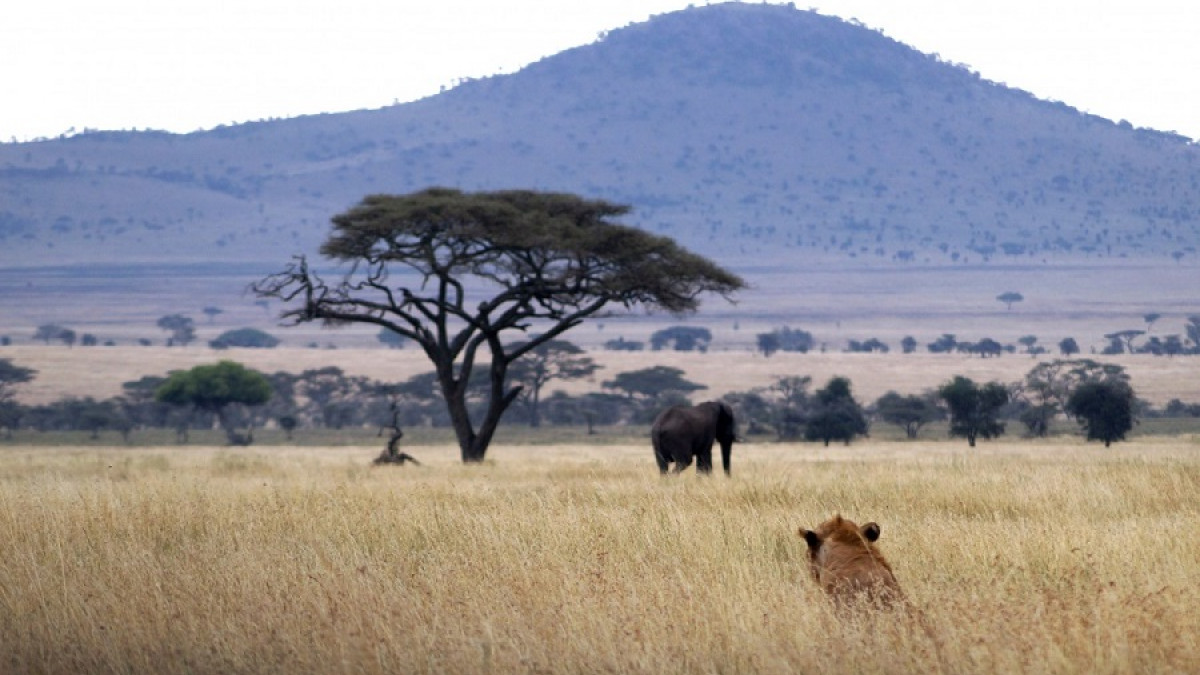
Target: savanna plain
1021,556
574,556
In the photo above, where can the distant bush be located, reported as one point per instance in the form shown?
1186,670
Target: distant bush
622,345
244,337
681,339
390,338
867,346
785,340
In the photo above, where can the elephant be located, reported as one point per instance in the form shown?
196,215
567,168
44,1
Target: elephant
681,432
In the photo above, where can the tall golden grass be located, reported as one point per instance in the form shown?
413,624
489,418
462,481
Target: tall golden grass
1048,556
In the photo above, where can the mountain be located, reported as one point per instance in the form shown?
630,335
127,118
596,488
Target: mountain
747,132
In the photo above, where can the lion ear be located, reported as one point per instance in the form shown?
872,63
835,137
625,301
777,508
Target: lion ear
813,539
871,531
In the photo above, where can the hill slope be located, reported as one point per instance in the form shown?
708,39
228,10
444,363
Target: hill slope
755,134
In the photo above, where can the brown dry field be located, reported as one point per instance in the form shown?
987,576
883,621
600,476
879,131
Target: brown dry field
1049,556
99,371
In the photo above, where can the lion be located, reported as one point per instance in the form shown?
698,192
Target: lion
845,562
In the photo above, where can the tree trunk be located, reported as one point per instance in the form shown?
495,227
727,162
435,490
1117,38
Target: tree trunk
457,407
498,402
231,433
474,445
535,416
225,424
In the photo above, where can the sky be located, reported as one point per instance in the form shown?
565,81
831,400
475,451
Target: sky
184,65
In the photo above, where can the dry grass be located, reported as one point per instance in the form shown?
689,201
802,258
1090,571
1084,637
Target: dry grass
99,371
1022,557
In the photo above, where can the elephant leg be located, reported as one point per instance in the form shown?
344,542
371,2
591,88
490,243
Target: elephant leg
704,461
682,463
661,459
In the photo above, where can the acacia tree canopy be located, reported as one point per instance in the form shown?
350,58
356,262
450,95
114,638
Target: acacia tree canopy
1009,297
11,375
482,264
213,388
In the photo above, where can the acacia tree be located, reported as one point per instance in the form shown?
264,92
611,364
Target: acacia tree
1048,386
836,416
1068,346
909,412
1009,297
213,388
553,360
486,264
682,338
1104,408
11,375
793,405
649,386
1121,342
181,328
974,409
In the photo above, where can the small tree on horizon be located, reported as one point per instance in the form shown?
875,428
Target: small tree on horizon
212,313
784,339
1121,342
390,338
681,338
943,345
249,338
1104,409
1028,342
974,409
1048,386
181,328
1009,297
1068,346
552,360
11,376
836,415
790,405
214,388
651,384
909,412
52,331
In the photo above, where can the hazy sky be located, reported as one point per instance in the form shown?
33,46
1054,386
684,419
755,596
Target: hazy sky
183,65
